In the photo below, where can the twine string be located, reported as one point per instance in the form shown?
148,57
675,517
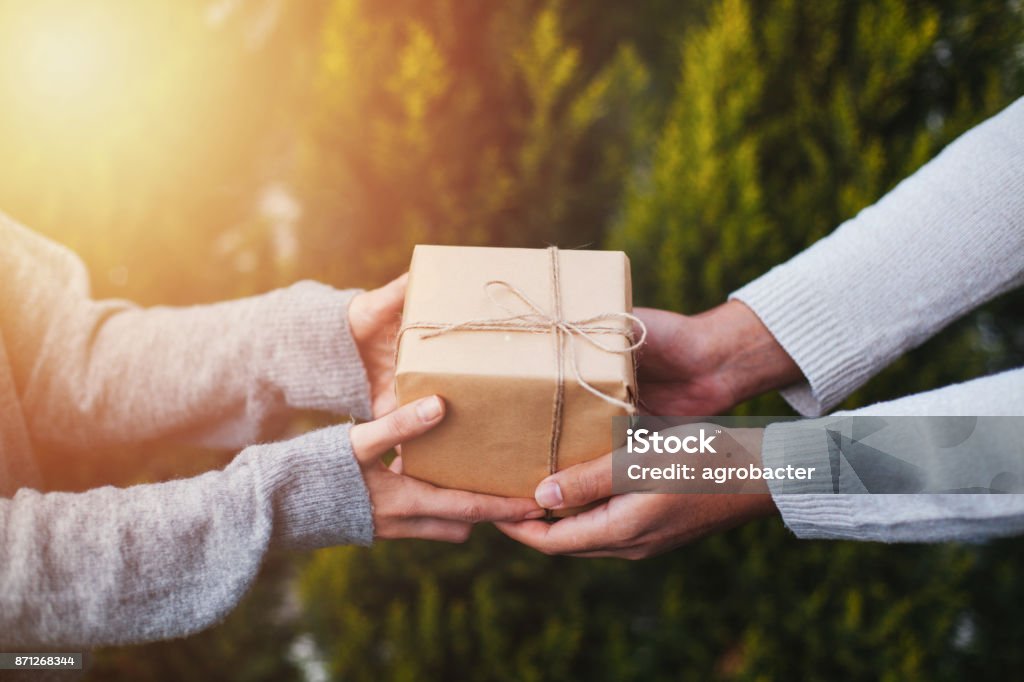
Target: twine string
559,338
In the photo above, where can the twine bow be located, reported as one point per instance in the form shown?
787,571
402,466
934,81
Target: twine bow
539,321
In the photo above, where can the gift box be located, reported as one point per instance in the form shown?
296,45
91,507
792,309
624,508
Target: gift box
533,352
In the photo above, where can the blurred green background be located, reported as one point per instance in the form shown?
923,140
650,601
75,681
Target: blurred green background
194,151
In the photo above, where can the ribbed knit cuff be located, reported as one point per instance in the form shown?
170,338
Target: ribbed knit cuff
811,334
809,508
312,357
317,491
798,444
819,516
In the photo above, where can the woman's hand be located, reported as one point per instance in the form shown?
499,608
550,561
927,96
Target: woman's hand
374,318
404,507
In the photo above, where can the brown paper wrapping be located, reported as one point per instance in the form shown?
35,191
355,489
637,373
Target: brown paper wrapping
499,386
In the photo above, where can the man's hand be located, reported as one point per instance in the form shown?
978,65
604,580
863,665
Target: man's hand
703,365
404,507
699,365
635,525
678,367
374,318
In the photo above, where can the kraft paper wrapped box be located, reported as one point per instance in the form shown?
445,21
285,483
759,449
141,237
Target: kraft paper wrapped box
482,328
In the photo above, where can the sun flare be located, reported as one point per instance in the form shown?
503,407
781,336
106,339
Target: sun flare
65,61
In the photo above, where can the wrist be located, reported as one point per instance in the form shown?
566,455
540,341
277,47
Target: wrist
310,356
743,355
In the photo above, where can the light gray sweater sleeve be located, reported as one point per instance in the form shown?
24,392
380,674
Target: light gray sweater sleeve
921,517
945,240
93,374
116,566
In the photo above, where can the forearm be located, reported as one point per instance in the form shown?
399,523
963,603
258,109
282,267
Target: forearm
98,373
113,566
945,240
220,375
742,354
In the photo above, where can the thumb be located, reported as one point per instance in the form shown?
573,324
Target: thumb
576,486
373,439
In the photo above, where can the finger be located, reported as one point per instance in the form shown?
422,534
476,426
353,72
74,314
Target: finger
396,465
631,553
530,533
379,306
467,507
385,402
604,553
390,298
433,529
585,532
576,486
373,439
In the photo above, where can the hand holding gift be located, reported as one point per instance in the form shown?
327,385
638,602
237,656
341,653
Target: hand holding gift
692,365
373,318
404,507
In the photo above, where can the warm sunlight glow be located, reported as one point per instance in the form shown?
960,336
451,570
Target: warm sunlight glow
90,90
65,61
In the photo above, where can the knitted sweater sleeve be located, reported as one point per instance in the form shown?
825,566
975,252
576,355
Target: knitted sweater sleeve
116,565
93,374
933,454
945,240
127,565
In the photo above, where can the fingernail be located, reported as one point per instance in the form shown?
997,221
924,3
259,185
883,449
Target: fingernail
536,514
429,409
549,495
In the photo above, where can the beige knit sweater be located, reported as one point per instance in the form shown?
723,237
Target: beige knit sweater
154,561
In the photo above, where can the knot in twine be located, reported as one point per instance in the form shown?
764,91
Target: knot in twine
539,321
